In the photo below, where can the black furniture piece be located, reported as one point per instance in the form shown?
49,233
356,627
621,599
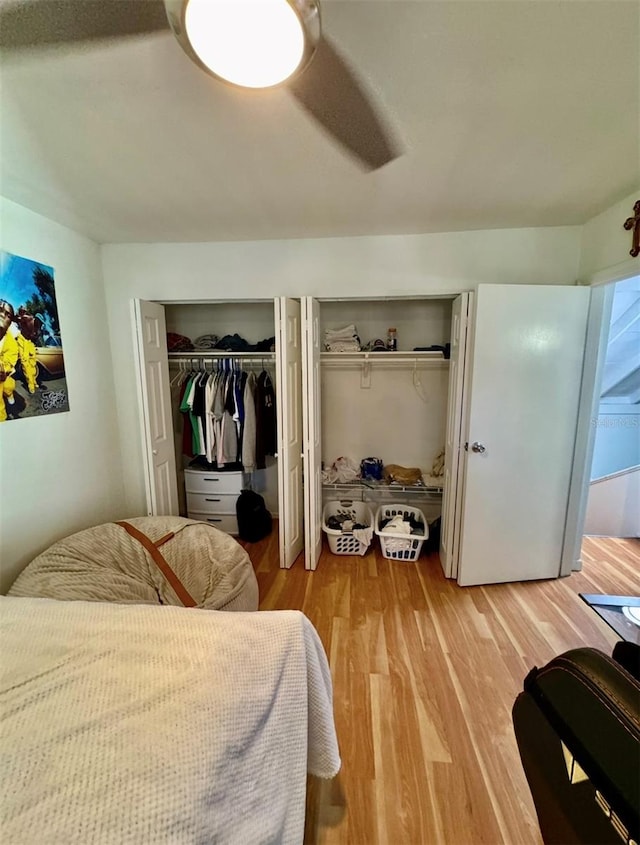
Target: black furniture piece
613,609
577,725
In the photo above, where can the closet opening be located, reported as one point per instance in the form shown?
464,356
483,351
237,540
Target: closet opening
223,386
382,396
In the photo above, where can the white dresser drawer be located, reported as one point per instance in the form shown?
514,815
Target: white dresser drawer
212,503
225,522
196,481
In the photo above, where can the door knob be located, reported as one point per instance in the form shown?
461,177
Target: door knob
478,447
154,451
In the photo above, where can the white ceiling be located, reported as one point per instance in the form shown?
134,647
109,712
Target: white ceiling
511,114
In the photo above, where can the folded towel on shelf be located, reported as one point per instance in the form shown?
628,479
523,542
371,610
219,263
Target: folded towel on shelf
341,334
342,340
206,341
343,346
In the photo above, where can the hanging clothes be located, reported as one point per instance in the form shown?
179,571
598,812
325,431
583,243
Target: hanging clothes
187,409
183,408
248,456
228,452
210,438
228,417
199,410
265,419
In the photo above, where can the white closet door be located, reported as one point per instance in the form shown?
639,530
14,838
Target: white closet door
289,417
524,385
155,406
312,432
454,463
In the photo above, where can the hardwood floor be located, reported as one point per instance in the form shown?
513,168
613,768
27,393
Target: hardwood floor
425,674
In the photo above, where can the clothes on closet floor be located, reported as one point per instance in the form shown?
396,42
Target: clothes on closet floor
229,417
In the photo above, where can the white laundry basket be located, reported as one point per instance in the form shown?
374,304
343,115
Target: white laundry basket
396,546
343,542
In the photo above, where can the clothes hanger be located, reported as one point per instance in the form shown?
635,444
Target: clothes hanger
417,383
174,381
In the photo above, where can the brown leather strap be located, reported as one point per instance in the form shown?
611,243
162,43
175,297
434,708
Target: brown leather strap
164,539
176,584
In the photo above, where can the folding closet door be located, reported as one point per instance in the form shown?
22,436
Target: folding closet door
289,417
155,408
454,463
312,432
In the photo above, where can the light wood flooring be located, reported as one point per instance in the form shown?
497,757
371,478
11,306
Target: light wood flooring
425,674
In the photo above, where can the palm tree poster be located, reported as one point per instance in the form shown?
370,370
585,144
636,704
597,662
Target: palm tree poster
32,374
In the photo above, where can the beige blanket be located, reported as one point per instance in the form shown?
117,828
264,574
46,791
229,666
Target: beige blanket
107,564
138,724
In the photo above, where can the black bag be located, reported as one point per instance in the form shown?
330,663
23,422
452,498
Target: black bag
432,544
254,520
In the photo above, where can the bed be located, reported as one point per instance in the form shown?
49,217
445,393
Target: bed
127,723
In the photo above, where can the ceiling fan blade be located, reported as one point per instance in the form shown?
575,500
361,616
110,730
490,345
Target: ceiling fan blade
330,92
40,23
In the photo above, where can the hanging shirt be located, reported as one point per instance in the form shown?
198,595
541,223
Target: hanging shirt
249,427
265,419
209,426
199,409
218,414
188,405
229,452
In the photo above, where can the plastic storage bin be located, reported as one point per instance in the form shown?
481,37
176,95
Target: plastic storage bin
400,546
343,542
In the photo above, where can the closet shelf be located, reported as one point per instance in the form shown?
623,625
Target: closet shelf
430,359
199,354
430,487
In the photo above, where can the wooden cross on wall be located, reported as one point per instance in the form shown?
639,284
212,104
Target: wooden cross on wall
634,223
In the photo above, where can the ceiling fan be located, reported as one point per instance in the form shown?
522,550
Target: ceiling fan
311,69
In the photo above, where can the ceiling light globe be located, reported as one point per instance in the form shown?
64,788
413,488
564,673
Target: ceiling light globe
252,43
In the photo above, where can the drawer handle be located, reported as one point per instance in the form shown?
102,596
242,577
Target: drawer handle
213,500
209,519
211,479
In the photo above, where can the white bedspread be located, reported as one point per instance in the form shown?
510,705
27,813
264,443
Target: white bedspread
143,724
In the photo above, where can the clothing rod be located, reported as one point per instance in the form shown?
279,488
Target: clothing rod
357,357
202,362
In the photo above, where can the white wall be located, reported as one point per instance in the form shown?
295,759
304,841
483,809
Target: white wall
332,267
613,509
605,241
61,473
617,445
